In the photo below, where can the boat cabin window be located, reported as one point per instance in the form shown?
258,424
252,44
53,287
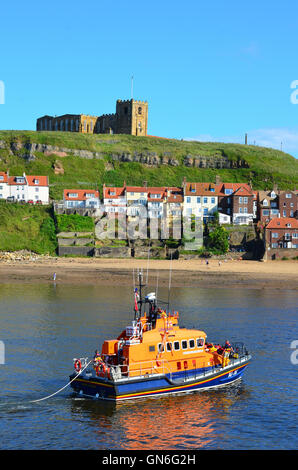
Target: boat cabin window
160,347
152,348
184,344
200,342
191,343
169,347
176,345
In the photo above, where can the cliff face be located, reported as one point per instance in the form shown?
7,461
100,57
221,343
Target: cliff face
27,151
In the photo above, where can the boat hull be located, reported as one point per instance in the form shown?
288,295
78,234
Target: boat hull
156,385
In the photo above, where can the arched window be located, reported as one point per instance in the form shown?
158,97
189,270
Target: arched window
140,110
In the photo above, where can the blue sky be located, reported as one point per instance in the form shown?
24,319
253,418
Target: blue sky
209,70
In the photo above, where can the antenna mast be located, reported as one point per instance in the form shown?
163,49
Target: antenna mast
132,87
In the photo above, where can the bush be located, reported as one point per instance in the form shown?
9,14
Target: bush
74,223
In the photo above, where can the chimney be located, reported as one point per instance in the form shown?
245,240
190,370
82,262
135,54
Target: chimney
217,179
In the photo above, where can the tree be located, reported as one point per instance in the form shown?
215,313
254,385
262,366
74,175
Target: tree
218,240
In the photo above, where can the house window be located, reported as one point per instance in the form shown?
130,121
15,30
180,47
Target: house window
213,200
36,190
274,245
288,196
274,235
73,195
205,211
265,212
240,200
245,200
245,210
284,213
198,200
291,214
205,200
188,200
228,191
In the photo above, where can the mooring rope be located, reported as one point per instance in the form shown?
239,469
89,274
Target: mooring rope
65,386
53,394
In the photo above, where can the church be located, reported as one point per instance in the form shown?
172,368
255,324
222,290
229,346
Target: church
131,117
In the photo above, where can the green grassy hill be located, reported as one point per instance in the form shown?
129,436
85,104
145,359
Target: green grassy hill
25,227
265,166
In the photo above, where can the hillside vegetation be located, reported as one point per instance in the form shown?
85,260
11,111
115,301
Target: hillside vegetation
265,166
26,227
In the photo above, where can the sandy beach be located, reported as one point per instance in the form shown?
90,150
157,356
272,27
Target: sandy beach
230,273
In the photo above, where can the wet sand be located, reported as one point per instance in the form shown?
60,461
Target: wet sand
192,273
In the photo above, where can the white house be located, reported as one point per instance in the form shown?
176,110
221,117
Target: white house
28,188
200,200
114,199
4,187
84,198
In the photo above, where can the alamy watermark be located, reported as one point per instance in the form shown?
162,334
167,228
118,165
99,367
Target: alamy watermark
141,226
294,94
294,355
2,92
2,353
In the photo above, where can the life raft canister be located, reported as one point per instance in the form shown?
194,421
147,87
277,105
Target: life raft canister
78,365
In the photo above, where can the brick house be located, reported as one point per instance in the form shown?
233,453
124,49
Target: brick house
288,204
282,232
237,201
267,206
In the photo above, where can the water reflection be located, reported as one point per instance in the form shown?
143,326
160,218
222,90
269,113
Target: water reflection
173,422
45,326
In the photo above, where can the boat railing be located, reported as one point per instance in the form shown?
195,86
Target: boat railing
138,369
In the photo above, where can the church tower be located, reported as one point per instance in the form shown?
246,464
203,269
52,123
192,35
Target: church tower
132,117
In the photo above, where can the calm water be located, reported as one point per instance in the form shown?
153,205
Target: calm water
44,327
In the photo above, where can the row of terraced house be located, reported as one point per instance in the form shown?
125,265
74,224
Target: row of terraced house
235,203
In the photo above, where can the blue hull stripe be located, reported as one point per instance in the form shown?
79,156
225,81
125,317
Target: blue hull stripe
152,387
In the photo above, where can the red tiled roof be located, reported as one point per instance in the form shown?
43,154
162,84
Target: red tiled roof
5,177
118,192
136,189
243,191
282,222
32,180
175,198
200,189
220,188
81,194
